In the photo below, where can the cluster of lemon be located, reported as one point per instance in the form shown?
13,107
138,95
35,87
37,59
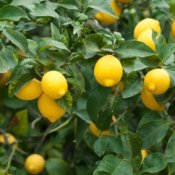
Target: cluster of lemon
107,19
53,86
156,81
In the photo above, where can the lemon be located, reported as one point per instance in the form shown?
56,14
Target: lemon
146,37
157,81
107,19
147,23
108,71
97,132
49,108
144,154
34,164
54,84
150,102
173,28
30,90
8,137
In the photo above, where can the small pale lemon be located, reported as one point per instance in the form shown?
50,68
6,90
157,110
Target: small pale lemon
108,71
30,90
34,164
144,154
49,108
7,137
146,24
157,81
97,132
146,37
150,102
54,84
107,19
173,28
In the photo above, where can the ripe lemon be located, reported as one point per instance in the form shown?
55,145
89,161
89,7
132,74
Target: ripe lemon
173,28
30,91
157,81
54,84
108,71
144,154
107,19
9,138
49,108
150,102
34,164
146,37
96,132
147,23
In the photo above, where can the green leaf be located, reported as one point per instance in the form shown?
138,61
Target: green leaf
50,43
17,39
111,165
66,102
53,166
130,49
80,109
132,87
108,145
8,59
154,163
153,132
92,44
55,32
132,144
21,125
96,101
171,70
170,148
12,13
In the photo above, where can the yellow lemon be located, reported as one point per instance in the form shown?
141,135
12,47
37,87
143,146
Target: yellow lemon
34,164
144,154
30,91
8,137
146,37
108,71
107,19
147,23
54,84
96,132
150,102
157,81
173,28
49,108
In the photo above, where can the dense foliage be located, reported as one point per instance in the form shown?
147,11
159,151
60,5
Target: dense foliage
38,36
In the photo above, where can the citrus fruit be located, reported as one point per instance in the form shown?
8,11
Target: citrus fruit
157,81
97,132
147,23
30,90
54,84
4,77
8,137
173,28
108,71
34,164
107,19
146,37
150,102
49,108
144,154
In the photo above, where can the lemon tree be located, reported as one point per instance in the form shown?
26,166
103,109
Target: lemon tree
87,87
